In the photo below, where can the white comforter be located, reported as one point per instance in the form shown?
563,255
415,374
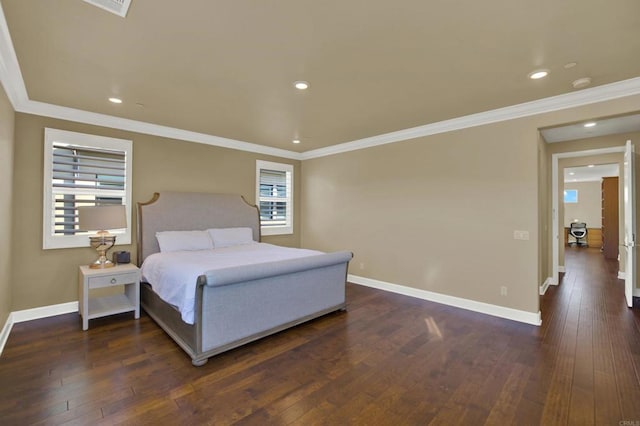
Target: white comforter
173,275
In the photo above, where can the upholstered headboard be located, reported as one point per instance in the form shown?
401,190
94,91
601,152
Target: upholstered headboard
188,211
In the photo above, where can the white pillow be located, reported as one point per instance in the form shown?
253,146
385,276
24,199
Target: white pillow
228,237
184,240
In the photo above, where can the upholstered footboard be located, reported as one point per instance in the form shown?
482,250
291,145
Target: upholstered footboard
238,305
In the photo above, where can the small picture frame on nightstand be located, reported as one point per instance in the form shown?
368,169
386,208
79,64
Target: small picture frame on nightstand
121,257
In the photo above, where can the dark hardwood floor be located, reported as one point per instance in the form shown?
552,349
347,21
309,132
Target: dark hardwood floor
389,360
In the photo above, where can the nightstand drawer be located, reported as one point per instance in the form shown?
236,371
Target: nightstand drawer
115,279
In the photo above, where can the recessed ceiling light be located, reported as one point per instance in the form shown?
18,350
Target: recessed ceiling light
591,165
571,173
581,82
570,65
301,85
590,124
537,74
115,100
296,141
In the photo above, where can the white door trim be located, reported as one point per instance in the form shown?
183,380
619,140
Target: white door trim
629,222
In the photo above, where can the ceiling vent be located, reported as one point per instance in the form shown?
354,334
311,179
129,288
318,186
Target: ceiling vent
119,7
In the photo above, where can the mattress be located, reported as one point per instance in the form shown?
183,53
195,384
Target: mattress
173,275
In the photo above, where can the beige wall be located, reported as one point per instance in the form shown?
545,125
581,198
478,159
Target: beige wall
588,209
6,194
438,213
435,213
48,277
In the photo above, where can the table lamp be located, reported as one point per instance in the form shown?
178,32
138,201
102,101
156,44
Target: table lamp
101,219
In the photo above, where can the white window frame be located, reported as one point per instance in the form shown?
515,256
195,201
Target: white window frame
49,239
288,168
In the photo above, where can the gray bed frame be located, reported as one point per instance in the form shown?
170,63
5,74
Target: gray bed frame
236,305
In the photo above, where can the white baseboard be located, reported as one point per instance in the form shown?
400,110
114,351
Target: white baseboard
32,314
4,335
458,302
44,312
622,276
561,268
545,285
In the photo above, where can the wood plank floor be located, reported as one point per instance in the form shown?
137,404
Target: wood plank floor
389,360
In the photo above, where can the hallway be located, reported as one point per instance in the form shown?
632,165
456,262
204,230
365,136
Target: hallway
596,373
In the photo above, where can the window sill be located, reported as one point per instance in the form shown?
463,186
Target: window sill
283,230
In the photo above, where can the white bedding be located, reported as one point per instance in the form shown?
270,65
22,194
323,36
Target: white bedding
173,275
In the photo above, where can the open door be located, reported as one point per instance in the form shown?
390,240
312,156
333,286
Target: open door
629,223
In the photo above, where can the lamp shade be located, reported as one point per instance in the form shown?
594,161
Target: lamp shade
101,218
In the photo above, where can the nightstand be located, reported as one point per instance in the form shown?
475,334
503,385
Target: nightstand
96,307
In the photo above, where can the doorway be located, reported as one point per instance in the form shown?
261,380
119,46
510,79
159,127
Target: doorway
590,212
560,161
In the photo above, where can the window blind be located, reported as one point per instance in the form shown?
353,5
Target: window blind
275,187
83,176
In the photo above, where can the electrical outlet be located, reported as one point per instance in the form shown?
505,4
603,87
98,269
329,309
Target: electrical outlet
503,290
362,266
520,235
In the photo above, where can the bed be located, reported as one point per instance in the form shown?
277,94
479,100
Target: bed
241,303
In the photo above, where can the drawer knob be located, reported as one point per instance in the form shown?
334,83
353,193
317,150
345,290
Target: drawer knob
113,280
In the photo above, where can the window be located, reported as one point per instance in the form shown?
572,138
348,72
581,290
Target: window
274,195
82,170
570,195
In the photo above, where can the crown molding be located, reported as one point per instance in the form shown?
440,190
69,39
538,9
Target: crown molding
71,114
13,83
10,74
593,95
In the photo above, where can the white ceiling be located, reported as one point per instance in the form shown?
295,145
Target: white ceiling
590,174
222,72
